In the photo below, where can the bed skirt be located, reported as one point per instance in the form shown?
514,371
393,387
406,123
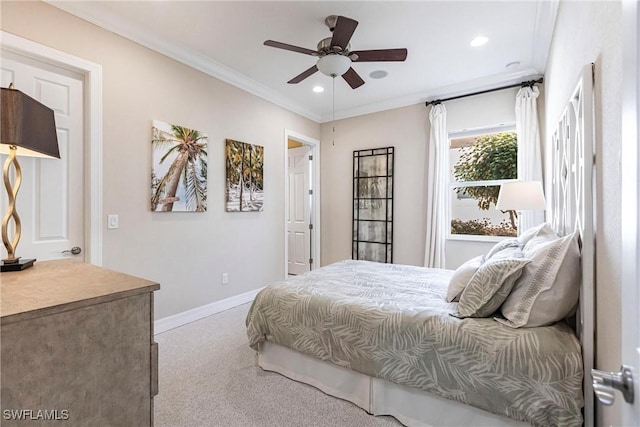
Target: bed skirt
411,406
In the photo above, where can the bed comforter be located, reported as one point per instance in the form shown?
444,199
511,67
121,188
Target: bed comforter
392,322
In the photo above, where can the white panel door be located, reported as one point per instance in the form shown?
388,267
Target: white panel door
299,212
50,201
630,289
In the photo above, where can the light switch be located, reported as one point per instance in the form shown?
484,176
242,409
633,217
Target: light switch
112,221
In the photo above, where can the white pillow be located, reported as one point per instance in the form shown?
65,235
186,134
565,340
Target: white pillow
490,286
549,287
543,229
462,276
502,245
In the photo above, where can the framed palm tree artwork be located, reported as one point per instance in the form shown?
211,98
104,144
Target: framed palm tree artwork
245,185
179,169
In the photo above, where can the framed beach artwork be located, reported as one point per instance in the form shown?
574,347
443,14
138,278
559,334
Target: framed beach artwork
245,180
179,169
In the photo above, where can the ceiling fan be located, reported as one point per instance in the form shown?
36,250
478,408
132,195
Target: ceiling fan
335,56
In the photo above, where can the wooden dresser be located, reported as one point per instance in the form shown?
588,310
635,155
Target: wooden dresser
77,347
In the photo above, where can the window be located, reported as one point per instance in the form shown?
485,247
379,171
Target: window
479,163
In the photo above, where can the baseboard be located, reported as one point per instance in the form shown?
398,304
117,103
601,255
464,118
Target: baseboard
170,322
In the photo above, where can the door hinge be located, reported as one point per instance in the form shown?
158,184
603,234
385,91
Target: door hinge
310,261
310,157
310,226
310,192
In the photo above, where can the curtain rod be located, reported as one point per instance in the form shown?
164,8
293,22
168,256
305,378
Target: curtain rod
529,83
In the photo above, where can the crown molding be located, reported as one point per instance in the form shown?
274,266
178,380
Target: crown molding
457,89
193,59
546,14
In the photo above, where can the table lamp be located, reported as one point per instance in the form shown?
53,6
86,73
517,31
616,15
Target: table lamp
521,196
27,129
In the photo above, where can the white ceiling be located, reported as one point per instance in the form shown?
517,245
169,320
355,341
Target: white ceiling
225,39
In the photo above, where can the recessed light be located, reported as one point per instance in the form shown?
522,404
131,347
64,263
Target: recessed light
479,41
378,74
318,89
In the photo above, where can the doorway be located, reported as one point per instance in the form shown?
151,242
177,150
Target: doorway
302,204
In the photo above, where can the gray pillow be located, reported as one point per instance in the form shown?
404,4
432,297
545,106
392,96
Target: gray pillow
549,287
490,285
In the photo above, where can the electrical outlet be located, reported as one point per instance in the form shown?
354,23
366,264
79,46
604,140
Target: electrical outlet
112,221
225,278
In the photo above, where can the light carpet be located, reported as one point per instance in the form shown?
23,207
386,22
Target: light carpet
208,376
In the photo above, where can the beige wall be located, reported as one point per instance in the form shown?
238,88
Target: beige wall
591,32
407,129
185,252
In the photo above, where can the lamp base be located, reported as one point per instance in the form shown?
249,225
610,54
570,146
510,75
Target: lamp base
19,265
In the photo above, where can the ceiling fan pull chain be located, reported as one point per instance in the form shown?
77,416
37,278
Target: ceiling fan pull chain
333,119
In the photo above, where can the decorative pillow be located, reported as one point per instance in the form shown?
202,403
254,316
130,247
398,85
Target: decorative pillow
549,287
543,229
462,276
502,245
490,286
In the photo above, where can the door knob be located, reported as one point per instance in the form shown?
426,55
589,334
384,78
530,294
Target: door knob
74,250
604,383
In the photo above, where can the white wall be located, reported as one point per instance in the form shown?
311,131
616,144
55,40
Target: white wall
489,109
591,32
185,252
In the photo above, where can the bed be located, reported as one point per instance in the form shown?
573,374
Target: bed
392,322
384,337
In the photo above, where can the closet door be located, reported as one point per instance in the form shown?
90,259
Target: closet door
51,198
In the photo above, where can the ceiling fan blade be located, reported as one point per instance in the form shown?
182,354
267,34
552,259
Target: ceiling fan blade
300,77
380,55
290,47
353,78
343,31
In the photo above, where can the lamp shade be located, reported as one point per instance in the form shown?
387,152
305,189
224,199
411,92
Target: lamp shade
28,125
334,65
521,196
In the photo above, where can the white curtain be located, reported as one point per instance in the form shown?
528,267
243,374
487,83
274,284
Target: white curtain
437,187
529,158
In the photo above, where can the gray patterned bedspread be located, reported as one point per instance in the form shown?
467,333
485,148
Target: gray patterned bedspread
392,322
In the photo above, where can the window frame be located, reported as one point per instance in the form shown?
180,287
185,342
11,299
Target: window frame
501,128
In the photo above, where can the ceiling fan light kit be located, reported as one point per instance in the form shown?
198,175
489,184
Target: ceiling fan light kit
334,65
335,55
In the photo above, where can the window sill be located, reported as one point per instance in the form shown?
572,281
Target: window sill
474,238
